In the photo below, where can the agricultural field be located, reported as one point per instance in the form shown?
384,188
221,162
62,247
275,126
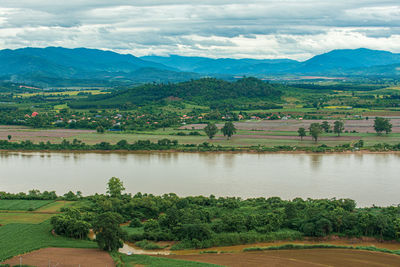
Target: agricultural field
18,238
23,204
64,257
23,217
249,133
314,257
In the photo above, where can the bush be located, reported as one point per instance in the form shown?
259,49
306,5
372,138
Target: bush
135,223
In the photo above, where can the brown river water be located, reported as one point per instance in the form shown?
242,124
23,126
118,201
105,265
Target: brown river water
367,178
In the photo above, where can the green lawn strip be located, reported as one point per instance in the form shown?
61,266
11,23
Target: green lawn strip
7,204
297,246
17,239
125,260
23,217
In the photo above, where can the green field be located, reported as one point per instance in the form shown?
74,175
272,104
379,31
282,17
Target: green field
23,204
56,206
21,238
23,217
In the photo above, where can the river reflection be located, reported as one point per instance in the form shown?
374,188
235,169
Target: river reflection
367,178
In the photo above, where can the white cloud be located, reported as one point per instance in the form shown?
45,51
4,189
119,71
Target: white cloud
215,28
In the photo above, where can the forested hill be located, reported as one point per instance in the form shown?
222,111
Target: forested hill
202,91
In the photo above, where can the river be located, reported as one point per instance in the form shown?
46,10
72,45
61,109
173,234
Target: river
367,178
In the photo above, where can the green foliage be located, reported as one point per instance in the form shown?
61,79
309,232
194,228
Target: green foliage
23,204
135,223
338,127
108,232
302,133
315,131
382,125
115,187
202,91
325,125
71,224
228,129
211,130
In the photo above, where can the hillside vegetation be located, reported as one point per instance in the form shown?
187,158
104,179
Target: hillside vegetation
202,91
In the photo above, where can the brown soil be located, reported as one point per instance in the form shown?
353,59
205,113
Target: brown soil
314,257
64,257
24,133
361,126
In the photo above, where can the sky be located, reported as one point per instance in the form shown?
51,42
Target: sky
296,29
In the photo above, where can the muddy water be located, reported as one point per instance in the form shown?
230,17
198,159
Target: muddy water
367,178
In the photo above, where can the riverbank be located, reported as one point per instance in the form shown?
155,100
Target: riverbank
168,145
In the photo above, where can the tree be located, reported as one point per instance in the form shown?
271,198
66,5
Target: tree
382,125
228,129
325,125
211,129
115,187
315,131
109,234
338,127
9,137
100,129
302,133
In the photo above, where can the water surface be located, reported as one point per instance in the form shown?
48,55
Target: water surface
367,178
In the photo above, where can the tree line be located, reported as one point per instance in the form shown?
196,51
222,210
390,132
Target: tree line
200,222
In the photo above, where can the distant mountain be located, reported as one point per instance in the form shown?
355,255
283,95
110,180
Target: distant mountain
57,66
341,61
360,61
223,65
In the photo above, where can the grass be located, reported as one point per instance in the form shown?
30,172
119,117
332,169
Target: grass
56,206
22,238
23,217
133,260
23,204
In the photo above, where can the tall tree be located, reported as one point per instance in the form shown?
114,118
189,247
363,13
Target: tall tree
338,127
211,130
115,187
315,131
302,133
228,129
109,234
382,125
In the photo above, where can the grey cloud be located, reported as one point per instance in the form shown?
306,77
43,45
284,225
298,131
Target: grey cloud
236,28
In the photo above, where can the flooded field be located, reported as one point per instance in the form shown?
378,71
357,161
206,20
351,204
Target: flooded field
367,178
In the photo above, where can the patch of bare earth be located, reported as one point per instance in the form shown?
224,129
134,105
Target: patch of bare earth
297,258
22,134
64,257
362,126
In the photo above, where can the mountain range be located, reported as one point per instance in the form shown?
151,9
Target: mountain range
57,66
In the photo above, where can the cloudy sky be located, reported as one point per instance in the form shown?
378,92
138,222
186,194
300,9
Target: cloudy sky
296,29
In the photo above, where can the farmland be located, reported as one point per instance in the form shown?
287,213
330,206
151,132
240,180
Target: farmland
21,238
23,204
